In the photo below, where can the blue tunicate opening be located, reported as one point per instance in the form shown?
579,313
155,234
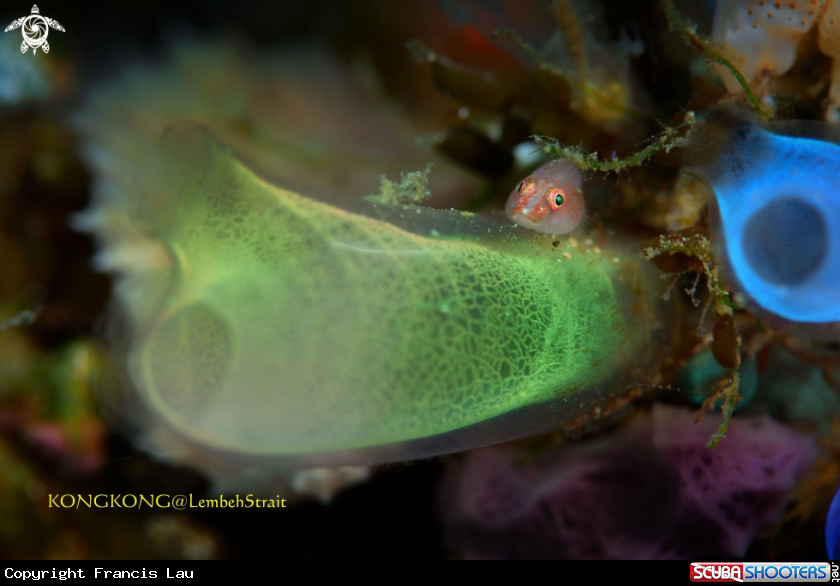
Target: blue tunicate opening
786,241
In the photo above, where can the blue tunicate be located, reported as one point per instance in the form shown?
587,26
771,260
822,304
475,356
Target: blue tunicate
778,228
832,528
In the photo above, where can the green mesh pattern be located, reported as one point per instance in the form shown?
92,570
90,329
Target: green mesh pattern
292,326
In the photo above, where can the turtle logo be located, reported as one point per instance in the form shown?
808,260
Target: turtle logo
35,30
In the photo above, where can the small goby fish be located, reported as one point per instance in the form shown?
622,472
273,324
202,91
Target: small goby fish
549,200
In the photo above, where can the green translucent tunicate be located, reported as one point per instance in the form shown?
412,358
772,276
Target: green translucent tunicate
268,324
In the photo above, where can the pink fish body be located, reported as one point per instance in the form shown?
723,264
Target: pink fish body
549,200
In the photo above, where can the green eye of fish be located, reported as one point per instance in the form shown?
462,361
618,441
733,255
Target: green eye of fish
558,201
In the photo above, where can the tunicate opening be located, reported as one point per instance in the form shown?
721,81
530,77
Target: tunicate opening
786,241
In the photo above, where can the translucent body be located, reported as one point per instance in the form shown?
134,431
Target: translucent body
779,220
549,200
268,326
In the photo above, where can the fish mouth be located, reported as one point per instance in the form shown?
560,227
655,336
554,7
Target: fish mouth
521,209
523,218
527,212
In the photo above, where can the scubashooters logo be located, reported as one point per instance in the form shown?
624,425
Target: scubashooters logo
35,29
758,572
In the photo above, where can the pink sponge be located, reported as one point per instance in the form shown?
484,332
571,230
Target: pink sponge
648,491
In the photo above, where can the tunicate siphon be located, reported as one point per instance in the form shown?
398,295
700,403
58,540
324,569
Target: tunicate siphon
776,216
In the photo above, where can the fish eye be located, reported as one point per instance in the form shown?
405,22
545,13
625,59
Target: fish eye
558,201
519,189
555,198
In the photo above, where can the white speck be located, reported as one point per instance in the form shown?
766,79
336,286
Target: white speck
434,232
444,307
567,255
527,153
616,259
597,250
589,241
463,112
